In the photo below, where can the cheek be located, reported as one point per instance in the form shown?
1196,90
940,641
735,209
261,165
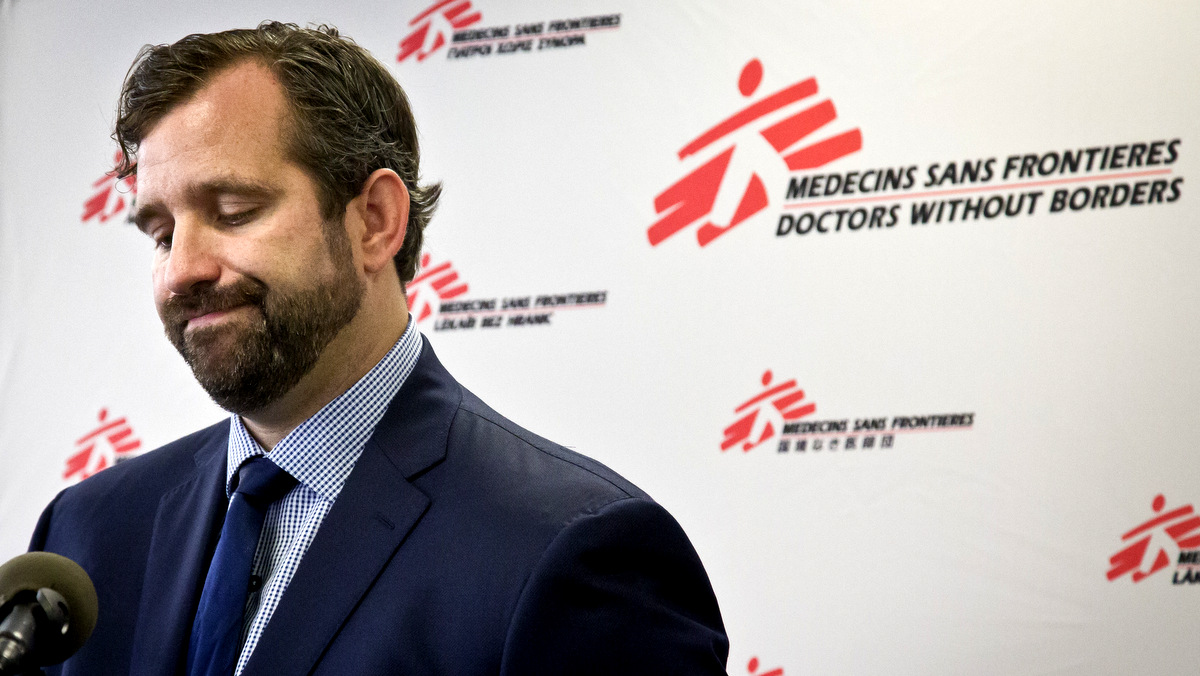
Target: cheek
158,287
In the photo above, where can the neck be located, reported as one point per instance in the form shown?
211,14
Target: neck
357,348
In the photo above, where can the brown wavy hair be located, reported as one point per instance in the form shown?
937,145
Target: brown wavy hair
349,115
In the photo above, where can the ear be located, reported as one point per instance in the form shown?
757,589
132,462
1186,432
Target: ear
383,208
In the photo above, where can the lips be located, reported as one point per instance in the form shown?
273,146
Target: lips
209,306
204,317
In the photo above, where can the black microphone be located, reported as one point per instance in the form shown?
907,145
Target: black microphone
48,609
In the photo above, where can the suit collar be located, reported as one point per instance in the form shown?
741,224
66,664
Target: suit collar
413,432
366,525
186,528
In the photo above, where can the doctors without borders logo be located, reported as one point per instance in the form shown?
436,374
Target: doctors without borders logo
438,295
433,284
756,668
765,414
1170,536
731,168
982,189
726,187
434,27
111,196
779,415
108,443
459,27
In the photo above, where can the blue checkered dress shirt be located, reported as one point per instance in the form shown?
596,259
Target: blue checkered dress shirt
320,453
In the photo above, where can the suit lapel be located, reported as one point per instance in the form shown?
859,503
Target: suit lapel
375,511
186,527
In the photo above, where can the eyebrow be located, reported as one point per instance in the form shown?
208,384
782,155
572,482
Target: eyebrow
143,212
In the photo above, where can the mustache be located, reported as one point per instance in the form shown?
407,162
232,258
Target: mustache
181,308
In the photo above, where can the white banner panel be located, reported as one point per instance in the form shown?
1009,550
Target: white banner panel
891,304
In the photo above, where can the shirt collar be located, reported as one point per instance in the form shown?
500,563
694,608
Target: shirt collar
322,451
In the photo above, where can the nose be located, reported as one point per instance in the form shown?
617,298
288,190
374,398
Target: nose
193,259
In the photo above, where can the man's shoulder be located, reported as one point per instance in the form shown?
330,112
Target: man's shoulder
150,473
517,471
115,509
497,459
566,461
577,552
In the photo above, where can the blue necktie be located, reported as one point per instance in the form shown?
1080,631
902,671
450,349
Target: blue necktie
217,630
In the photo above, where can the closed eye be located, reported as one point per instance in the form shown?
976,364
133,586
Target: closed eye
238,218
162,238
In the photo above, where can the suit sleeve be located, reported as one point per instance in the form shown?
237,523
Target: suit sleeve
618,591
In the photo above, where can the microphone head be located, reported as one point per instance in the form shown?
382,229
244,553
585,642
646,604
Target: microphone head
35,570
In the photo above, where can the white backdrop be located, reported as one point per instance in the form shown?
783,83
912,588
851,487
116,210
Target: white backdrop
1059,344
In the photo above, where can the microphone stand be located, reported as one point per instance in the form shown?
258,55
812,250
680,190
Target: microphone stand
19,632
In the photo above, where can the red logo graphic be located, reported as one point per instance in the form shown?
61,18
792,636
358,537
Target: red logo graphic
693,197
752,669
766,413
1158,542
103,447
109,198
437,281
435,26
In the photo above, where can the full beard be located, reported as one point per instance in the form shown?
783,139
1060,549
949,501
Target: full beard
245,365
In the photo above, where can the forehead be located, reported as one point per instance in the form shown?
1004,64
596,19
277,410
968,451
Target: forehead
232,125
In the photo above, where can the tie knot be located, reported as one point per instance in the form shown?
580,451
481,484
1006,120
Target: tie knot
262,482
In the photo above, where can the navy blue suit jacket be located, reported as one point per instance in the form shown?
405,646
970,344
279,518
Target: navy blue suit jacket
461,544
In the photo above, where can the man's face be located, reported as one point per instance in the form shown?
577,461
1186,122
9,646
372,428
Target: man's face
250,282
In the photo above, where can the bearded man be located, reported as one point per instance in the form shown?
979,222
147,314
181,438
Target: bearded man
360,512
